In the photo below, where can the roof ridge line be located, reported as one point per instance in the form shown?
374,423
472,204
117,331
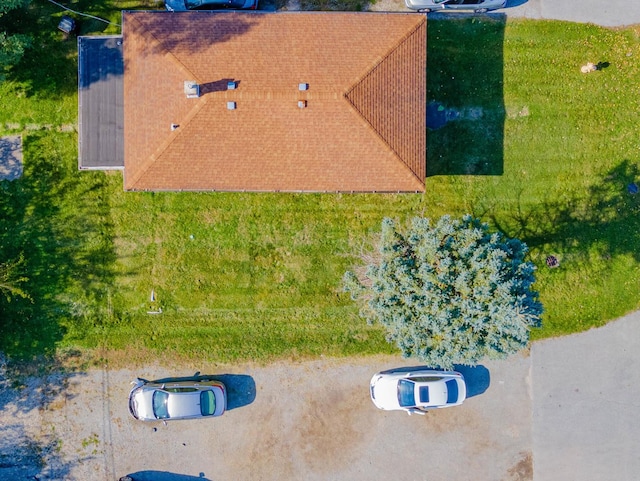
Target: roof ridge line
369,72
172,58
167,53
385,56
389,146
167,141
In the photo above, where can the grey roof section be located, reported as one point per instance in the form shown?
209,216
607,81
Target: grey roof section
100,102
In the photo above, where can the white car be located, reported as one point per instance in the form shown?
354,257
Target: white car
417,391
478,6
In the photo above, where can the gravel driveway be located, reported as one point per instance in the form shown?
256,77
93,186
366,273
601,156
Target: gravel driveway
567,411
311,420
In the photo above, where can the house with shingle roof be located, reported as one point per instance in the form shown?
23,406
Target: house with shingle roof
288,102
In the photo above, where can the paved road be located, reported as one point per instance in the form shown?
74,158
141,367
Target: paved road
608,13
586,400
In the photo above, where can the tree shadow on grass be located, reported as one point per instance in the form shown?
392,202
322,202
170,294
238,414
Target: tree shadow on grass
331,5
59,222
48,68
606,219
465,78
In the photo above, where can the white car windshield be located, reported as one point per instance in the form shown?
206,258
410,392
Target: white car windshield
406,393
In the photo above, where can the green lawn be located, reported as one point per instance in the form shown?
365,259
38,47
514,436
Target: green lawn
568,150
541,151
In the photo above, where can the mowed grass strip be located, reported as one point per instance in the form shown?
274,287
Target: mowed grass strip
257,272
540,150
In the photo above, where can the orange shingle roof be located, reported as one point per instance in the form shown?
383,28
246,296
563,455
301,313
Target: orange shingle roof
363,128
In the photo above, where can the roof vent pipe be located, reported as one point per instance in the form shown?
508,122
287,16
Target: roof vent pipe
191,89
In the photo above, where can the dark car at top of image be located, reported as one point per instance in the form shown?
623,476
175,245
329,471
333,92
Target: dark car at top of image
184,399
184,5
478,6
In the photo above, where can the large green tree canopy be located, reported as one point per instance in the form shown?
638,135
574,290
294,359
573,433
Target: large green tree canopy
11,279
449,293
6,5
12,47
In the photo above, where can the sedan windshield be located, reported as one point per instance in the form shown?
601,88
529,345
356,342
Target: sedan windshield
406,393
207,403
160,399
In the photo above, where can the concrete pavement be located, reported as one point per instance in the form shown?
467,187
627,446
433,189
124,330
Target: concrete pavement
608,13
586,399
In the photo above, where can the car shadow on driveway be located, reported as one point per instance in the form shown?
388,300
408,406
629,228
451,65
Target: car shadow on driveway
241,388
161,476
477,378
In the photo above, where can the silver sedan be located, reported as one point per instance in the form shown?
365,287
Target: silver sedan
478,6
178,399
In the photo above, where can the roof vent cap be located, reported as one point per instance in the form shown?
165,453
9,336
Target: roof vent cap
302,103
303,87
191,89
231,85
231,105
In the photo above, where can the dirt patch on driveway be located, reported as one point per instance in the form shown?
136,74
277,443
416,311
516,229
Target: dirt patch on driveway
523,469
332,427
